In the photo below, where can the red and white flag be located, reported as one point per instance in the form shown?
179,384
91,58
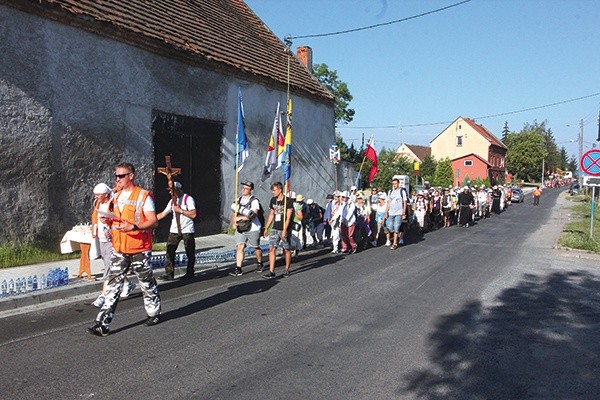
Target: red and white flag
370,154
276,146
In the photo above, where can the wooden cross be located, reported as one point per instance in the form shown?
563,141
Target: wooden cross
170,172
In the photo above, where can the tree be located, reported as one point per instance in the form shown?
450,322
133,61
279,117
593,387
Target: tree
339,89
444,175
526,151
390,164
505,132
564,159
428,168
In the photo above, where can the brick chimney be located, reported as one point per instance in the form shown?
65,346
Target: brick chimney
305,55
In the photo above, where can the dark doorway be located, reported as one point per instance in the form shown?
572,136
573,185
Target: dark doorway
194,146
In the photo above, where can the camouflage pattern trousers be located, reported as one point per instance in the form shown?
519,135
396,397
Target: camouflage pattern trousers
120,265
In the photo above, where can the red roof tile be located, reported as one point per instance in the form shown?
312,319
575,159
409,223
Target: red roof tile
485,133
420,151
224,35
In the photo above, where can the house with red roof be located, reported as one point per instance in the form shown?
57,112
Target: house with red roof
87,84
464,137
469,168
413,152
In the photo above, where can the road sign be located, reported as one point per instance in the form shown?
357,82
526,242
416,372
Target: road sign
590,162
591,181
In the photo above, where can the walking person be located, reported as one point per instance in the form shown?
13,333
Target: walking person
185,207
103,204
397,200
466,204
334,221
348,224
135,217
315,222
247,223
281,211
537,193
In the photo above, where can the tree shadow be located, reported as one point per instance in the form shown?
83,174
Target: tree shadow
539,339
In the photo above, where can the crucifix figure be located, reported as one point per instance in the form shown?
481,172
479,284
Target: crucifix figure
170,172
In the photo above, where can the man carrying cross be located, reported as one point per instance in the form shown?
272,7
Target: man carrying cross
185,208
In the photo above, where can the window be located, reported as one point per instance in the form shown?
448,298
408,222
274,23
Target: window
459,141
468,163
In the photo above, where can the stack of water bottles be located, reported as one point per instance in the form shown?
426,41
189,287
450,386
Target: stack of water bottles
56,277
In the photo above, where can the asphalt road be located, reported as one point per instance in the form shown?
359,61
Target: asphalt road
487,312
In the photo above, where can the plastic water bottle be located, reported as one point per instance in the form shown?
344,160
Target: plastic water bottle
11,287
50,281
35,282
107,233
4,288
29,283
43,282
18,286
66,275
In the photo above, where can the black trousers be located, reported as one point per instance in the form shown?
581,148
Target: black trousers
190,250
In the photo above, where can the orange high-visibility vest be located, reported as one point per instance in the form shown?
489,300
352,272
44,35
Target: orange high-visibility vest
135,241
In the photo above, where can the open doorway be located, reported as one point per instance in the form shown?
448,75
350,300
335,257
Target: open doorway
194,146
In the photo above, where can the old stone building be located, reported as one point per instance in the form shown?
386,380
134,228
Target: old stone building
85,84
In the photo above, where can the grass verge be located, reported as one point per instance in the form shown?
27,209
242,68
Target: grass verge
13,255
576,234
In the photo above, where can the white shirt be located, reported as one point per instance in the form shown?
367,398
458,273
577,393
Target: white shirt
187,203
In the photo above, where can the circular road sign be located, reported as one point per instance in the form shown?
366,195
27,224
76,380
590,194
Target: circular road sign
590,162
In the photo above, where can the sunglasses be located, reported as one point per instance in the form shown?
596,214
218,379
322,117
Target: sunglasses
121,176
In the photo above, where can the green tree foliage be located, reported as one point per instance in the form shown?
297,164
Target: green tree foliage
526,150
339,89
505,132
428,167
572,165
444,175
389,165
346,153
564,159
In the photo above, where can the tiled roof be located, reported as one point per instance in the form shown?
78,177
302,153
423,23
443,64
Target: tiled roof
485,133
420,151
483,160
223,35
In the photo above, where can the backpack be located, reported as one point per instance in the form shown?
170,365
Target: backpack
261,211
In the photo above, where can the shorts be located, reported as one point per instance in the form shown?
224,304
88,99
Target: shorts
394,223
276,239
250,237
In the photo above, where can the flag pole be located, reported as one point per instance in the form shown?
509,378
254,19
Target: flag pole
236,163
362,163
288,44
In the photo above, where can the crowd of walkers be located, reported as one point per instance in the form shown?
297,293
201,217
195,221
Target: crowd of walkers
350,221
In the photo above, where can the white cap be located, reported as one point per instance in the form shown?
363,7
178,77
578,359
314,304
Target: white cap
352,187
309,201
102,188
177,185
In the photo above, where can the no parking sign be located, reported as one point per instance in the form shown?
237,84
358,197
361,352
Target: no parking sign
590,162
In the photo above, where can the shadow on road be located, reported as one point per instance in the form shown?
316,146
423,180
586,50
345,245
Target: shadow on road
539,339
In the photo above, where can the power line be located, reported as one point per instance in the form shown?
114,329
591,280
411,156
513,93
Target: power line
379,25
476,118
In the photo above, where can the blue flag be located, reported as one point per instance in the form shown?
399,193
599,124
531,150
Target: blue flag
240,136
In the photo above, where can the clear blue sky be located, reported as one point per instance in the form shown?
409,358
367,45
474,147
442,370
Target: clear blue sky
481,58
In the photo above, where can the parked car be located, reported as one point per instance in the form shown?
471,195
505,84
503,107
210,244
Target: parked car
517,196
574,189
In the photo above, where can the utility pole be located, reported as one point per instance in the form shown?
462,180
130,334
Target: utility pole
580,152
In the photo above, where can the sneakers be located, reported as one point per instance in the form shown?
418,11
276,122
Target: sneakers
400,242
127,290
335,252
388,243
374,243
260,267
151,321
99,302
286,274
236,272
98,330
269,275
